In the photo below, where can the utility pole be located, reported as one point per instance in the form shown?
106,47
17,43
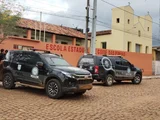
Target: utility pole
159,19
40,26
44,37
87,29
93,37
35,37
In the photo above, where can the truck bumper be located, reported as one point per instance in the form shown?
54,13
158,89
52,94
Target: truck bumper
78,88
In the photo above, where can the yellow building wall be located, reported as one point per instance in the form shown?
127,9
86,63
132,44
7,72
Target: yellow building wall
125,32
113,41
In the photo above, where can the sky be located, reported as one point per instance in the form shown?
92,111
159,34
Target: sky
71,13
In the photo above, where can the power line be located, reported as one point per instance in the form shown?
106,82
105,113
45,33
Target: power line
51,11
58,6
129,12
63,16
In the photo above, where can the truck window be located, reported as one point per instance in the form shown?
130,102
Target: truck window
86,61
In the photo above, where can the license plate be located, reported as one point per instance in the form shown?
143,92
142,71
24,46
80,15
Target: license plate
85,87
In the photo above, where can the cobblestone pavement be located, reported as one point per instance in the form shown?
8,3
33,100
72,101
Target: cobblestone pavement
119,102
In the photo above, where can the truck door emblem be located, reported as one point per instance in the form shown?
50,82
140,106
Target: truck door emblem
35,72
106,63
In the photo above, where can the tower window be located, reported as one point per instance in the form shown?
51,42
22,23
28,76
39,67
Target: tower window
139,33
118,20
146,49
129,47
138,48
148,29
128,21
104,45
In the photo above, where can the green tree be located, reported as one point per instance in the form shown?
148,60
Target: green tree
10,14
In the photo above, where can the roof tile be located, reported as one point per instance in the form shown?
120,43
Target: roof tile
61,30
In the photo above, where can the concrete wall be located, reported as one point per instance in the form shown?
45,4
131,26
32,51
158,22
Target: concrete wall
73,53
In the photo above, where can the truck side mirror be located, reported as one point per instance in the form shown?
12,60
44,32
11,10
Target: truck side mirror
39,64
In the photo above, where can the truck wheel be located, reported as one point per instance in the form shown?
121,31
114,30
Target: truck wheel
108,80
8,81
80,93
54,89
137,79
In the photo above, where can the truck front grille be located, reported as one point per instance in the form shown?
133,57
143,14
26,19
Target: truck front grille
85,81
79,77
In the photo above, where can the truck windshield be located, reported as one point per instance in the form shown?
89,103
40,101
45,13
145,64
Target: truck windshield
53,61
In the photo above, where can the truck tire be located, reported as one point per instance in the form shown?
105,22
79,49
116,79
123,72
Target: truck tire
54,89
108,80
8,81
137,79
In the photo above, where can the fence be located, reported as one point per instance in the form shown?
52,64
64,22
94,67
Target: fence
156,67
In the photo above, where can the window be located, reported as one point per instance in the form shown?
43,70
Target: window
17,56
64,43
16,35
19,47
56,61
146,49
129,47
138,48
32,38
125,63
15,46
139,33
118,62
24,36
148,28
128,21
104,45
118,20
86,61
77,44
30,58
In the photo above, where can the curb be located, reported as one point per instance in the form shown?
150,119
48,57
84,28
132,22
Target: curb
146,78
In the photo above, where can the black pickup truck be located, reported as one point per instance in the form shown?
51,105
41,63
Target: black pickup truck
109,68
44,70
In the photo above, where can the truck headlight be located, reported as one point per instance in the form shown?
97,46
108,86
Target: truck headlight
67,74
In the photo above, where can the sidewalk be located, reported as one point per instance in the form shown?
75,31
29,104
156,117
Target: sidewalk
152,77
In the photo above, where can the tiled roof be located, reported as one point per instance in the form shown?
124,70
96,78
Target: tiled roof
156,47
60,30
105,32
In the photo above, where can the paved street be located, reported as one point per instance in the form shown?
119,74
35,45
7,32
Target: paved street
119,102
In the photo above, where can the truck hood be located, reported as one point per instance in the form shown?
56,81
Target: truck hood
72,70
